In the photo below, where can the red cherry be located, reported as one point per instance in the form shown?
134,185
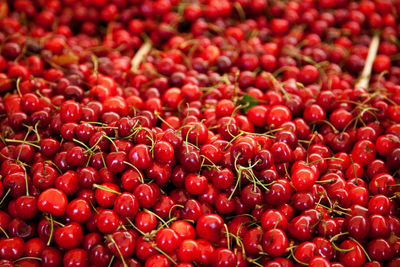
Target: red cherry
53,201
69,236
275,242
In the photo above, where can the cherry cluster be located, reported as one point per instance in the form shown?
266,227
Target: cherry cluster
199,133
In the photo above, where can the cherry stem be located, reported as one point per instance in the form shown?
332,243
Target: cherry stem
28,258
112,142
119,251
297,260
329,123
54,165
191,127
335,237
157,114
164,253
167,222
21,142
325,181
318,160
227,236
111,261
362,248
5,195
233,139
51,230
17,85
170,210
4,232
134,226
26,181
157,216
93,207
60,224
254,261
354,168
88,150
136,169
105,188
238,178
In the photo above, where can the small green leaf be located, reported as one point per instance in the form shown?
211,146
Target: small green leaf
247,102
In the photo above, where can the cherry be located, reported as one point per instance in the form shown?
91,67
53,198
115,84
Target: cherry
121,244
278,115
163,152
363,152
273,219
70,111
26,207
78,210
68,182
195,184
53,201
145,221
275,242
299,227
358,226
380,250
140,156
126,205
51,257
145,195
76,257
69,236
379,226
379,204
105,194
11,248
303,179
209,227
34,247
107,221
157,260
99,255
167,240
188,250
355,256
223,257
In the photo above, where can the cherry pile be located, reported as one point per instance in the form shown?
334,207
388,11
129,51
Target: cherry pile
199,133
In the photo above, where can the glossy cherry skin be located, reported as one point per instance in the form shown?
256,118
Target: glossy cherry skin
99,255
26,207
145,221
252,241
51,257
209,227
69,236
11,248
140,156
167,240
126,205
53,201
275,242
107,221
188,250
223,257
76,257
380,250
125,242
79,210
158,260
355,257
